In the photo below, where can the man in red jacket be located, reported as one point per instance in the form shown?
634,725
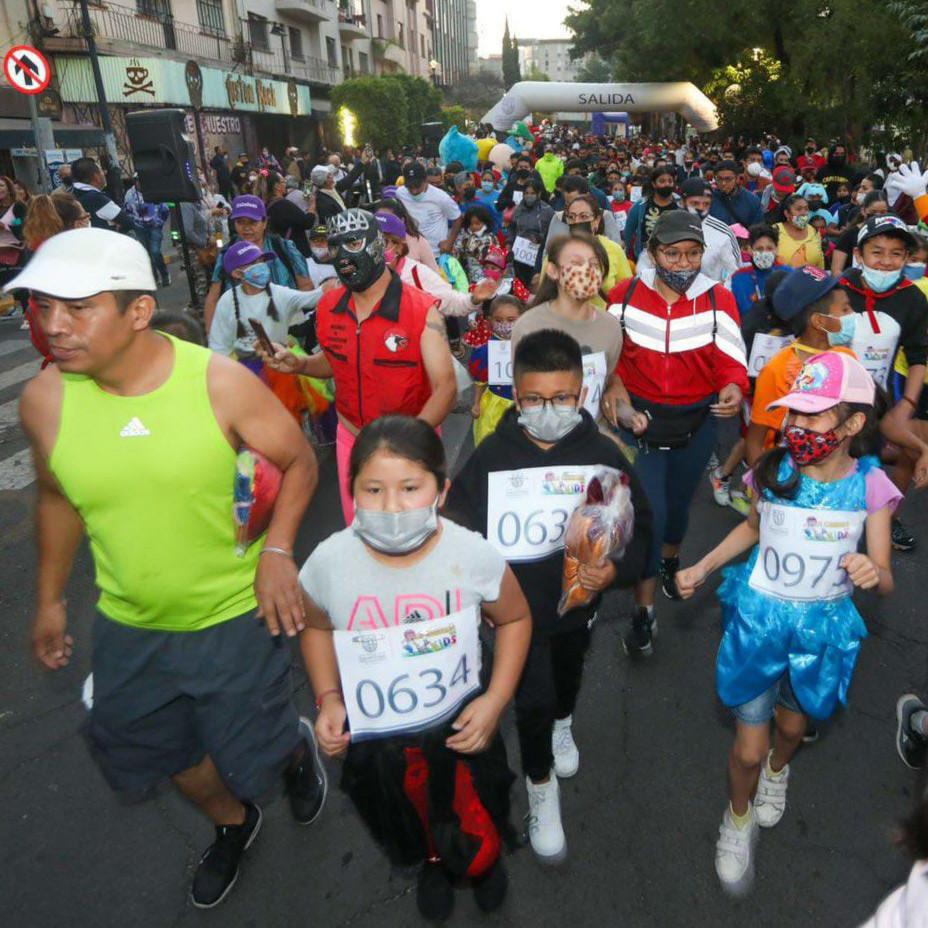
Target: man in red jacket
382,341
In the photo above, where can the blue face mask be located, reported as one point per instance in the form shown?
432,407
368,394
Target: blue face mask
880,281
914,271
258,275
845,335
487,186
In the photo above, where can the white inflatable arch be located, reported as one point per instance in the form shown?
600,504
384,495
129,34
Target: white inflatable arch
680,97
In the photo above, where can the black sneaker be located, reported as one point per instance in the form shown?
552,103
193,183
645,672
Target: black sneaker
811,734
434,893
911,747
669,568
307,784
217,870
903,539
637,641
490,889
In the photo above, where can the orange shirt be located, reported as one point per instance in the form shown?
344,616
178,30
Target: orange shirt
775,381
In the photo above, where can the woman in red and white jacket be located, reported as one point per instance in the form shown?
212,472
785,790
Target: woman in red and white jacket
682,366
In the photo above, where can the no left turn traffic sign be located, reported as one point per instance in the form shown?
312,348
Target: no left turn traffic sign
26,69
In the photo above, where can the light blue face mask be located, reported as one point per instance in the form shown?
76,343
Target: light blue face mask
845,335
258,275
880,281
914,271
487,186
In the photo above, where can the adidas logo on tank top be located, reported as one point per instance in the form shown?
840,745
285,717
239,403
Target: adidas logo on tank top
133,429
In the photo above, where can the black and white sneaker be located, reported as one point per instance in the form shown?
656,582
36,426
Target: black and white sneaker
902,538
669,568
307,784
638,640
218,868
910,745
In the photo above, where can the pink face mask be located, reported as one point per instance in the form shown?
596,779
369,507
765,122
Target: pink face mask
389,255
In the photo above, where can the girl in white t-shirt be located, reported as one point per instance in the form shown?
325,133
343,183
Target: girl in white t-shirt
393,607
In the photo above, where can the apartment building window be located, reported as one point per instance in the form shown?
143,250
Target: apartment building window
331,52
400,38
257,32
422,44
209,13
296,43
363,63
379,26
157,9
347,62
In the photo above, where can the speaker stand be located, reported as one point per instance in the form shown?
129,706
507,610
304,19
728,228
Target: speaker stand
185,251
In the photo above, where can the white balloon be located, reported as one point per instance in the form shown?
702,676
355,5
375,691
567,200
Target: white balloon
500,155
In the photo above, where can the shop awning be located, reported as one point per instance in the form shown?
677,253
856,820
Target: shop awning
17,133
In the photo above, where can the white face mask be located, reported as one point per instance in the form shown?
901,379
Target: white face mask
763,260
859,199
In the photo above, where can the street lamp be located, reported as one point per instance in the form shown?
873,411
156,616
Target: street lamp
434,68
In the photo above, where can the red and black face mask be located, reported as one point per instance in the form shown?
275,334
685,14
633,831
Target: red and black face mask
808,447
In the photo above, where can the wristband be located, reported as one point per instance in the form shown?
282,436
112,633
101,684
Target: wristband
270,550
912,402
325,693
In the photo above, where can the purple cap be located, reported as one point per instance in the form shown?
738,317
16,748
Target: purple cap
390,224
241,253
248,207
388,192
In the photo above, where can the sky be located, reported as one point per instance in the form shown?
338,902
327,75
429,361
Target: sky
536,19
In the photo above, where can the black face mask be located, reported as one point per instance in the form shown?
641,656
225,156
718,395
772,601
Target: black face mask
469,193
663,191
582,227
810,148
838,160
357,270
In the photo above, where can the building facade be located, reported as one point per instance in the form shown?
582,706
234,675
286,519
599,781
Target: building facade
550,56
247,73
455,26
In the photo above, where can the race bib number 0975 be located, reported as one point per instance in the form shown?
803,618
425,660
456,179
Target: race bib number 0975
528,510
409,677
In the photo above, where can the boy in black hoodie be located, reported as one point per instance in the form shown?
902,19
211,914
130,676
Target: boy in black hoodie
519,489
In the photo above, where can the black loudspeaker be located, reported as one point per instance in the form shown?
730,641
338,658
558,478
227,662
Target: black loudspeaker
164,156
432,131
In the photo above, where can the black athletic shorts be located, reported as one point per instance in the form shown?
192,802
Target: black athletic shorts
164,700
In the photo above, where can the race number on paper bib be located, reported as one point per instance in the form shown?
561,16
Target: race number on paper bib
876,351
763,349
409,677
594,379
524,251
801,550
528,510
499,361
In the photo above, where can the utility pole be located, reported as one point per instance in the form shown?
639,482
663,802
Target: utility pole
108,137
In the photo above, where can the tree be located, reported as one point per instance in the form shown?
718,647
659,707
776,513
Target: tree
476,93
423,104
379,106
536,74
595,71
510,53
453,116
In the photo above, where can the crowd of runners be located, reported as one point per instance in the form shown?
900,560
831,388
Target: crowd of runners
742,313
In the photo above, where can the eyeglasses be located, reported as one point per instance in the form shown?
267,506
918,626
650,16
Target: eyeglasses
534,401
672,256
581,217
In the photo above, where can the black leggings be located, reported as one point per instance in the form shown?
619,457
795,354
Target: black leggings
547,691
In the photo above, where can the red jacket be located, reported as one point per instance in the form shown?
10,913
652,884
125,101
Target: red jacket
377,364
683,352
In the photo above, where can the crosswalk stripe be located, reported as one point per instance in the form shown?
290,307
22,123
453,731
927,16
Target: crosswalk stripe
19,374
17,471
11,347
9,414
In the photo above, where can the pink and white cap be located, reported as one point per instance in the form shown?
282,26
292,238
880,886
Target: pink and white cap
826,380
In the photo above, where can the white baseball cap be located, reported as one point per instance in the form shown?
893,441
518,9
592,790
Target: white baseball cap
83,262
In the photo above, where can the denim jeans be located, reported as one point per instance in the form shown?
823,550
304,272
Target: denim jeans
151,237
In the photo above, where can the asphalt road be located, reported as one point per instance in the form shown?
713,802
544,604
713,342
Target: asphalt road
641,816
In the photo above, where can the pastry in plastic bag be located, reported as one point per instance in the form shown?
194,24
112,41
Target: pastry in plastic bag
600,526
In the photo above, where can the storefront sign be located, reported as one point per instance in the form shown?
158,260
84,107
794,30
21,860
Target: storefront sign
147,81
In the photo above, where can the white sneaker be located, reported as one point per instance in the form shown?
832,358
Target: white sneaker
721,487
770,800
734,854
544,820
564,748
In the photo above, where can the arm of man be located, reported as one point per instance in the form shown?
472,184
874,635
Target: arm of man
249,414
436,358
447,246
209,305
59,528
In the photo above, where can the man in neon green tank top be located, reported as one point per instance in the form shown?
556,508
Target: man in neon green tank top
134,436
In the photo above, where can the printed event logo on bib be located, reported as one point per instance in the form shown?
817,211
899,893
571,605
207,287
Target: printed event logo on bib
410,677
528,510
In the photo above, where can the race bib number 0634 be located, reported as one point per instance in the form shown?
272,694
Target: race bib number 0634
528,510
409,677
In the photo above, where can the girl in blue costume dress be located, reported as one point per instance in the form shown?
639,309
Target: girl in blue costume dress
791,631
